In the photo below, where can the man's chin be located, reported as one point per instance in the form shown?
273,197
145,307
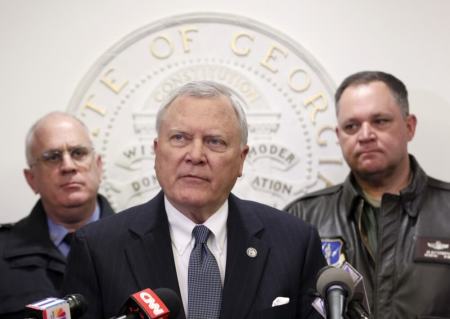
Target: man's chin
75,200
370,173
370,165
192,199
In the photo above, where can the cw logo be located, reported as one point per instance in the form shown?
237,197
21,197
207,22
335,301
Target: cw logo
151,302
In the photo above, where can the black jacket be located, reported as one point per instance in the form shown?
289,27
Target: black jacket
31,266
138,254
410,275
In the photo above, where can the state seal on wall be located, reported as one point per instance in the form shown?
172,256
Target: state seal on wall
287,96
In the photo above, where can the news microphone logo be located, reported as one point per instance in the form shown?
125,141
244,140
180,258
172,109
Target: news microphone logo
70,307
163,303
150,303
49,308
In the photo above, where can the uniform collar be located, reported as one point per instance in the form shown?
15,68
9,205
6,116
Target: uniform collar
410,197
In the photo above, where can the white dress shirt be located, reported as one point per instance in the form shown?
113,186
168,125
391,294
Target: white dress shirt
183,242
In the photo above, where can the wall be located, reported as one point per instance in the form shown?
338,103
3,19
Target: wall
47,46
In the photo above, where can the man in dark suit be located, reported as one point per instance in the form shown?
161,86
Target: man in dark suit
264,261
65,172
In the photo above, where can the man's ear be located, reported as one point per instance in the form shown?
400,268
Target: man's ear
155,147
338,132
243,155
411,123
99,163
31,180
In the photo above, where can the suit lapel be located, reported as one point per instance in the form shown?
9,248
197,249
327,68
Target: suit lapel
150,251
243,270
151,259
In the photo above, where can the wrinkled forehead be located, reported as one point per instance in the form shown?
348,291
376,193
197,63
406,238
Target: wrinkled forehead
219,106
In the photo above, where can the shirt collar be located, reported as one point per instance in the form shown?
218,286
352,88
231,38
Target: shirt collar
181,228
411,197
57,231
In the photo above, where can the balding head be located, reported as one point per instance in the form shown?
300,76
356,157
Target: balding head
63,167
42,123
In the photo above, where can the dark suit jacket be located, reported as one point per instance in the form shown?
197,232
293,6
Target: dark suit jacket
132,250
31,266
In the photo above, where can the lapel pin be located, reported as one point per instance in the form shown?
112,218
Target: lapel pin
252,252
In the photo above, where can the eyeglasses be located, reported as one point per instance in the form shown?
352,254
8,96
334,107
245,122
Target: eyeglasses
80,156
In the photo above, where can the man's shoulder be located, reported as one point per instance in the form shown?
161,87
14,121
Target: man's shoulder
271,217
256,208
325,192
28,223
422,178
6,226
5,230
438,184
121,221
313,205
319,195
105,207
120,217
21,227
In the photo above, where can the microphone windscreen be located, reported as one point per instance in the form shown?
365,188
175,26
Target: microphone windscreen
170,299
329,276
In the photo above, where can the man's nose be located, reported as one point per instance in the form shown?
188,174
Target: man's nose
366,132
67,162
196,152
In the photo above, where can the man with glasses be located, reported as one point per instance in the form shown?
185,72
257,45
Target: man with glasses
66,172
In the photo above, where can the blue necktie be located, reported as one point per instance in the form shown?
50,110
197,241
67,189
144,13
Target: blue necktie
204,283
68,238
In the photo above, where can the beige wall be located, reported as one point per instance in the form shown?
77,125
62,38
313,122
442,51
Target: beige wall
47,46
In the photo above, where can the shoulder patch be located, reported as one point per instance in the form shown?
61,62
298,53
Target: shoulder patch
333,251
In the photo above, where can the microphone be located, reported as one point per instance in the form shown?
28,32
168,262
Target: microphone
336,287
358,308
163,303
70,307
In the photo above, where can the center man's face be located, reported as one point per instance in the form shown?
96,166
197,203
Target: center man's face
198,153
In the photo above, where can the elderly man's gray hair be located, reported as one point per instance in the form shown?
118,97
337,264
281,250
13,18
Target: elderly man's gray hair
207,89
